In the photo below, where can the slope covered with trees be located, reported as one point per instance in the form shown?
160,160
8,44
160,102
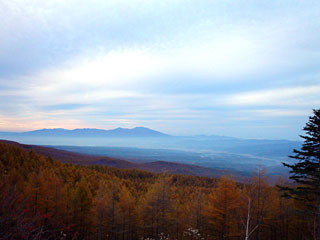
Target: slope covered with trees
46,199
154,166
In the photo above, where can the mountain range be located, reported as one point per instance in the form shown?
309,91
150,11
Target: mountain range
90,132
145,146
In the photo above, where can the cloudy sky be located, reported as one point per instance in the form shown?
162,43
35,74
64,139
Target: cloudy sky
238,68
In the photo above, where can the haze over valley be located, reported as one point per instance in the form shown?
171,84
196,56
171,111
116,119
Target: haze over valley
143,145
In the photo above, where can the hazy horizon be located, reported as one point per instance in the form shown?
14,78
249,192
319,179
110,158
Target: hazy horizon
169,135
246,69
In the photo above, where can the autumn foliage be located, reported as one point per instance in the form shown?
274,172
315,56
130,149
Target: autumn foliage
46,199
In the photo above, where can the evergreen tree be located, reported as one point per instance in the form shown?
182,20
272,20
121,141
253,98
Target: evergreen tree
306,172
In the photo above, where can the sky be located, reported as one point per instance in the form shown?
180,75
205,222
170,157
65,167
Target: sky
238,68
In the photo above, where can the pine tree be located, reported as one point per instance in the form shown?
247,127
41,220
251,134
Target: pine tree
306,172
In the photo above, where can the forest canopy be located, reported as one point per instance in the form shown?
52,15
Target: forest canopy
46,199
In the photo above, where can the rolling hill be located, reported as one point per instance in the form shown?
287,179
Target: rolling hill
155,167
142,145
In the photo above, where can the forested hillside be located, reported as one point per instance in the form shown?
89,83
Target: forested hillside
46,199
155,166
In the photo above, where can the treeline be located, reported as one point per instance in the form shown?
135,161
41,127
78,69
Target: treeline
45,199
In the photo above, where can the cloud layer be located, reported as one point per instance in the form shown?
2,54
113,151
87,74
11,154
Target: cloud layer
240,68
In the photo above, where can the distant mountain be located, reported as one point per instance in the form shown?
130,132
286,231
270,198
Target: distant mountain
147,145
89,132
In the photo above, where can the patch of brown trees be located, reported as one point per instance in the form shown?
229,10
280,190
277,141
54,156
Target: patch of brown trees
45,199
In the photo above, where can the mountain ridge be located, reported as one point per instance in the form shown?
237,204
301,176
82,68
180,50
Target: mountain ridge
128,132
91,132
154,167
